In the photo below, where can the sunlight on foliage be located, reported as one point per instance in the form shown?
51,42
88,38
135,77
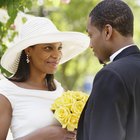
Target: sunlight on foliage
68,15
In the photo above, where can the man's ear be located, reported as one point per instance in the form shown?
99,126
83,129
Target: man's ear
108,30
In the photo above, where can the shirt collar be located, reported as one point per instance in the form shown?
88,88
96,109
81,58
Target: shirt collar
117,52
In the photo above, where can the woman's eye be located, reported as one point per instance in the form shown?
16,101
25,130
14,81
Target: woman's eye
60,48
47,47
51,48
90,35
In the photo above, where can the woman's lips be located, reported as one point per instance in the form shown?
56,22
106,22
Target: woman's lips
53,63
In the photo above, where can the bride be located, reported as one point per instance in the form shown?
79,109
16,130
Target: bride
26,96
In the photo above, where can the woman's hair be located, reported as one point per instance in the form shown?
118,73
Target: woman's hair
114,12
23,72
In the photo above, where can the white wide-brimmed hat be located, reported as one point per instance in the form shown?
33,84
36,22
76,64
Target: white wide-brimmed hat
41,30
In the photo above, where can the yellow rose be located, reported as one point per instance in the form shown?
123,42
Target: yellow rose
62,114
68,93
72,122
67,101
58,102
79,95
77,107
85,98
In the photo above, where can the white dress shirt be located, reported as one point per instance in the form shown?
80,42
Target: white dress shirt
117,52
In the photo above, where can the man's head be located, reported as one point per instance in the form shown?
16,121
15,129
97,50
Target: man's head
109,22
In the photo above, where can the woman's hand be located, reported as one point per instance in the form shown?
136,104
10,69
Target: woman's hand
59,133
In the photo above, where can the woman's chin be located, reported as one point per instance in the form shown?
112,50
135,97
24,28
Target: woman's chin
51,72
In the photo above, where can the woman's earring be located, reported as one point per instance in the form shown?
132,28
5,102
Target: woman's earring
27,58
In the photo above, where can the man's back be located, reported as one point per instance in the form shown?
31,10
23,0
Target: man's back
113,111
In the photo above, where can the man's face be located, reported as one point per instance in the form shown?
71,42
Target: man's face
97,42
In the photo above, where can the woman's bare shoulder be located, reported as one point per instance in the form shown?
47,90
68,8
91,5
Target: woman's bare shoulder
5,116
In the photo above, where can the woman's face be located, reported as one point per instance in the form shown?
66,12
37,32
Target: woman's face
44,58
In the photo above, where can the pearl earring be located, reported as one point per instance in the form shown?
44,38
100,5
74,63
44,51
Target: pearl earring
27,58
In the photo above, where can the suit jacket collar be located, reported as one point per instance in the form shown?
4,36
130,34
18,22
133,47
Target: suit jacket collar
128,51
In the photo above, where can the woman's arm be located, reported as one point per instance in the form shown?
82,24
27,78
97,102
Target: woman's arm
5,116
53,132
50,133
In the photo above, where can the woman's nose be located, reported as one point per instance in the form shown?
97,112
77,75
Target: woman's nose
56,54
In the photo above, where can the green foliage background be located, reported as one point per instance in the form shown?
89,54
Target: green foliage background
67,17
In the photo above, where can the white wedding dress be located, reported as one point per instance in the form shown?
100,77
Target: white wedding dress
31,108
9,137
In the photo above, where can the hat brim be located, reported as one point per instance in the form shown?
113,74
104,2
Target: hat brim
73,43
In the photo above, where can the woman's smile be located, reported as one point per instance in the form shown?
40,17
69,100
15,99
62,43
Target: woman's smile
53,64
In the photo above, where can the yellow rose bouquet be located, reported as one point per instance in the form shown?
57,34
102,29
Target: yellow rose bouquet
67,108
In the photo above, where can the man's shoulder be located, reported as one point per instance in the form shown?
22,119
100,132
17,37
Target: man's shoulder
124,66
124,63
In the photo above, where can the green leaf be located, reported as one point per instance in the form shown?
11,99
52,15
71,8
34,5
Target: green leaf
2,3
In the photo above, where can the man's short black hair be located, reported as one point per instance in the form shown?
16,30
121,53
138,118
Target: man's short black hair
114,12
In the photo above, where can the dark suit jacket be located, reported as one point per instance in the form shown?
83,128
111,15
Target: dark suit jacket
113,109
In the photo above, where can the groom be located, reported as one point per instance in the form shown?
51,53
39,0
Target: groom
113,109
